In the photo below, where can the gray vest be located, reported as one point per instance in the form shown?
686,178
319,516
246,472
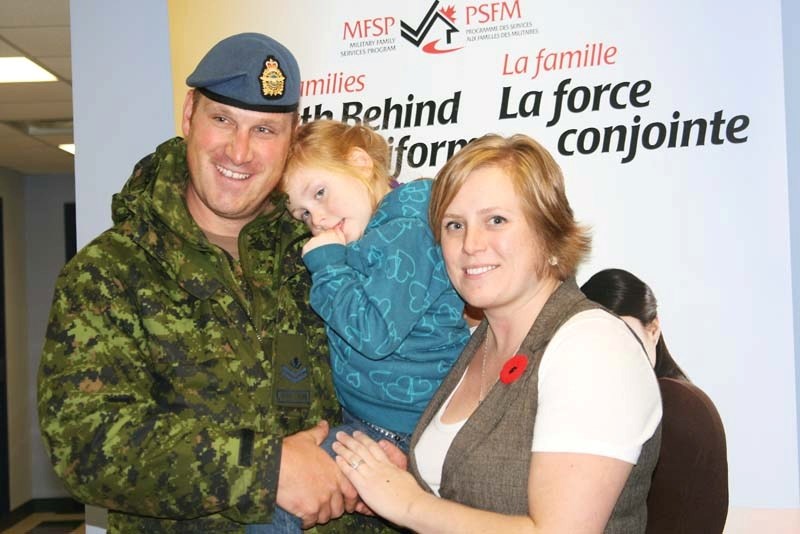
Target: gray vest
488,463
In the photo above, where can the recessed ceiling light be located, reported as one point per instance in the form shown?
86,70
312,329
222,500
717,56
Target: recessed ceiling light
22,69
68,148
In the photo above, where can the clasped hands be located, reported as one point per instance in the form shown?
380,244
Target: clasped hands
312,486
384,485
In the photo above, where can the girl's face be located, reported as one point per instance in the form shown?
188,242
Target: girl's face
325,199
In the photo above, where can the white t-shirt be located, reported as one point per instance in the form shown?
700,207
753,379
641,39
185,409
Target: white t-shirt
597,395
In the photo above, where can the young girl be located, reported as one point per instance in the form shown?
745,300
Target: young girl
393,319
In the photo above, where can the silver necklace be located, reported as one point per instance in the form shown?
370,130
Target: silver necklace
483,365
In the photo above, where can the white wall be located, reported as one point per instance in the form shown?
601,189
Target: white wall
791,69
44,256
122,105
17,365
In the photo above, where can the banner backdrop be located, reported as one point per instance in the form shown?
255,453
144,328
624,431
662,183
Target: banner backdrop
667,119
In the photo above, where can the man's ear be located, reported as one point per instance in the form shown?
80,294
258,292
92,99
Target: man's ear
188,109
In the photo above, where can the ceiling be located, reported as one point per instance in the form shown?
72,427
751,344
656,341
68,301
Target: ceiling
36,117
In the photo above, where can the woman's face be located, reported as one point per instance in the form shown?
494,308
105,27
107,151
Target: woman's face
649,335
489,248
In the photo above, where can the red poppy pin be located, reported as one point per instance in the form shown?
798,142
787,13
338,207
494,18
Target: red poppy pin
513,368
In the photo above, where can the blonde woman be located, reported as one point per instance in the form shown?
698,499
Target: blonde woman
550,419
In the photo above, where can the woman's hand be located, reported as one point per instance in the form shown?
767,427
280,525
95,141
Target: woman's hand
394,453
388,490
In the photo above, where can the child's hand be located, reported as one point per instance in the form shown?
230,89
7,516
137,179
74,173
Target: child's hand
325,237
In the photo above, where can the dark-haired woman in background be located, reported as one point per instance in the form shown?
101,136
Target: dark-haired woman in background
689,492
633,300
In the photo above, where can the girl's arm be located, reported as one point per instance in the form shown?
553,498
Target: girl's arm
375,294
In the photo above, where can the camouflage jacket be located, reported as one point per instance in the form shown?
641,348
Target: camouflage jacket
168,377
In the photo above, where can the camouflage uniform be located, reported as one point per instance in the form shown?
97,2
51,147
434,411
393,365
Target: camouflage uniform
160,395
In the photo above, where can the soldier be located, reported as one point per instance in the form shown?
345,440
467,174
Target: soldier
182,361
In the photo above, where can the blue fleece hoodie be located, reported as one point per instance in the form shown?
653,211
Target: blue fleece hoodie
393,319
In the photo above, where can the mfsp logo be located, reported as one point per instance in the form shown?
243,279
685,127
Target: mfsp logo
441,22
437,32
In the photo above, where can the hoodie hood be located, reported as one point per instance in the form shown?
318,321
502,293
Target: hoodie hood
151,211
156,190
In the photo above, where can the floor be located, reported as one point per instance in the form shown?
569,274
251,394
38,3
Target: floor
48,523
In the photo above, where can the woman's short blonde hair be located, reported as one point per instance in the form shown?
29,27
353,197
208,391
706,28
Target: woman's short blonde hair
329,144
539,183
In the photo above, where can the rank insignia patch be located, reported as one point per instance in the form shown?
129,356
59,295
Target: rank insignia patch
295,371
292,381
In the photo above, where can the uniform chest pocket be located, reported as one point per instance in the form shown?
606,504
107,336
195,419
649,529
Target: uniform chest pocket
198,368
200,355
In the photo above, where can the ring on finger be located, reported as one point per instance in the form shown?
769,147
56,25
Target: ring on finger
355,464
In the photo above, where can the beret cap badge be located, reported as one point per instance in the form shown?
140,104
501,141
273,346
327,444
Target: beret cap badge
272,79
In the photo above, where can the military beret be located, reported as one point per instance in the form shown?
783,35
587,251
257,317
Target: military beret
249,71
